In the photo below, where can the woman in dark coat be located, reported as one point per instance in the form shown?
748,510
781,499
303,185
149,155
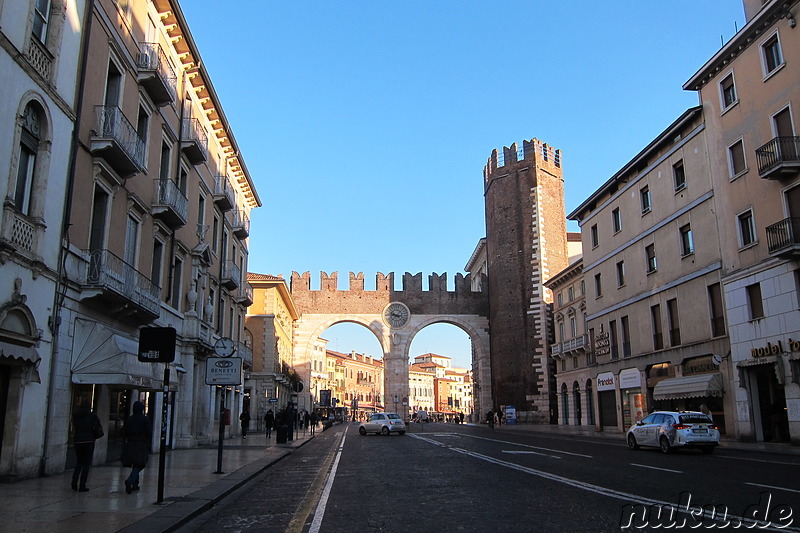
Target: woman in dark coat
269,421
244,418
138,434
84,422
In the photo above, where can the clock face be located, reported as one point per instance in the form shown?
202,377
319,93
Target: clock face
224,347
396,315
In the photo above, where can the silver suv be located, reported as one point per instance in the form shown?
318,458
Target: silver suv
671,429
383,423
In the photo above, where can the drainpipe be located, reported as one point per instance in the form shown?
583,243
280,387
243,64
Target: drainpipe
54,321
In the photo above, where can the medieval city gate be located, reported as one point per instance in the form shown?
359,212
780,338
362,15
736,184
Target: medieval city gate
394,317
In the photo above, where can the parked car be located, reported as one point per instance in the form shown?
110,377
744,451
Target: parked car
383,423
675,429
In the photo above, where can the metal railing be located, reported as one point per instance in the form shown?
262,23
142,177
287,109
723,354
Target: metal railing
783,234
231,272
246,293
152,57
112,273
778,150
168,194
224,189
112,124
241,223
193,132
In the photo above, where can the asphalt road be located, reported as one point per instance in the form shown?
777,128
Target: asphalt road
444,477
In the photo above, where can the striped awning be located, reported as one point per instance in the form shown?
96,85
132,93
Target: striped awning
695,386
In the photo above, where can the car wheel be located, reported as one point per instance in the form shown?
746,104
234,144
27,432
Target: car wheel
632,444
362,431
664,444
708,450
384,430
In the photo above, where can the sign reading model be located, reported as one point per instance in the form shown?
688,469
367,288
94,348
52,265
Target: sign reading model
224,371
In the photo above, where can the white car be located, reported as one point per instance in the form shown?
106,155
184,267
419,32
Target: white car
673,429
383,423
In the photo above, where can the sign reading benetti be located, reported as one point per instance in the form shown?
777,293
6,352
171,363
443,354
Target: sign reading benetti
224,371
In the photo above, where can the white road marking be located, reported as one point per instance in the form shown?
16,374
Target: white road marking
597,489
772,487
657,468
529,446
525,452
319,514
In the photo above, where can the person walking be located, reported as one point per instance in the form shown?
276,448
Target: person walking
137,434
499,417
244,418
86,428
490,419
269,421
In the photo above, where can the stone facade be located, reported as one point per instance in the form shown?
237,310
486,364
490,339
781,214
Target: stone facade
525,245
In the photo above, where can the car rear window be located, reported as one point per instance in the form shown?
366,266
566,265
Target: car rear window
393,417
695,419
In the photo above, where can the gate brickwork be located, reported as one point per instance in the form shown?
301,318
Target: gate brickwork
463,307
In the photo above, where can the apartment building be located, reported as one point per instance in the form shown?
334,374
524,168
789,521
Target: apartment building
157,231
421,382
571,350
750,93
651,273
269,326
39,60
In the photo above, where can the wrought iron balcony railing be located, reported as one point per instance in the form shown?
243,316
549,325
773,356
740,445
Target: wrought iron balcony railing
783,238
116,140
246,293
779,158
241,224
224,195
169,203
231,276
156,74
110,278
194,141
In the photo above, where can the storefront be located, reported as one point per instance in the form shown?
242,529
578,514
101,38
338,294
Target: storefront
765,380
630,389
700,388
607,399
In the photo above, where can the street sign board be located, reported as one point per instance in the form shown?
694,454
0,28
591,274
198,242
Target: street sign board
325,398
157,345
273,400
224,371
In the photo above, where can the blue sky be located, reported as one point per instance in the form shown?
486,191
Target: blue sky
366,125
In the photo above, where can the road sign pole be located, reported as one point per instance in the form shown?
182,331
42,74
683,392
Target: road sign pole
162,454
221,431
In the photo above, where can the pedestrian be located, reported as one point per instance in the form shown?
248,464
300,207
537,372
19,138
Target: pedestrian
313,422
244,418
86,428
499,417
307,419
461,418
137,434
490,418
269,421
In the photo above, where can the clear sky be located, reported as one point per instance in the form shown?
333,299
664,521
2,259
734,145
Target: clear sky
366,125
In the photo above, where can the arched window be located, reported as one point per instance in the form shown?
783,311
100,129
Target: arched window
28,149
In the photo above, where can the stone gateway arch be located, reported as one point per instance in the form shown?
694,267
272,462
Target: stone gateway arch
394,317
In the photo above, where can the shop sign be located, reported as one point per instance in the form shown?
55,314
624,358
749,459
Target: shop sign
630,378
602,345
700,365
775,349
224,371
606,381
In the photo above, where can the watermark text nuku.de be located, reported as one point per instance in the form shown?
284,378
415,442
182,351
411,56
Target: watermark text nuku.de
767,513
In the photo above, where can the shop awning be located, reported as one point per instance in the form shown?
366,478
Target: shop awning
101,356
22,354
695,386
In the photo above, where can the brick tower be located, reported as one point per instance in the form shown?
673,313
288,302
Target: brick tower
526,239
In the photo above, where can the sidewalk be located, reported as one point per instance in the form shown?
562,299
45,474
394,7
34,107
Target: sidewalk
619,438
190,487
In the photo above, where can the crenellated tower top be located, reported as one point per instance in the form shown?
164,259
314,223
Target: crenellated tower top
535,152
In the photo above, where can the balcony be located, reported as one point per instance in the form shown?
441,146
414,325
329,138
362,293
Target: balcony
122,289
19,232
779,158
115,140
245,294
169,203
194,141
246,353
240,224
231,276
156,75
783,238
224,196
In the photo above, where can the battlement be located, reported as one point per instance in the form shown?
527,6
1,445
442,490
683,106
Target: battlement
535,151
384,283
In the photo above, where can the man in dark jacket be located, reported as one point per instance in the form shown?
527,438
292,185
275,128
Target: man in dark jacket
269,421
84,422
138,434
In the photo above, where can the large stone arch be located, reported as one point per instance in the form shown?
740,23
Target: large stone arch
463,308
